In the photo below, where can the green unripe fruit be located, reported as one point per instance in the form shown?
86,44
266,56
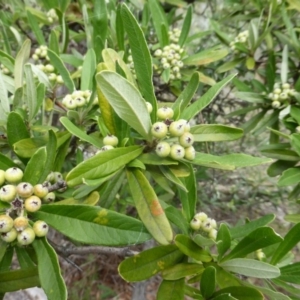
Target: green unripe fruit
213,234
49,68
50,197
195,224
26,237
58,176
276,104
207,225
286,85
59,79
186,140
165,113
51,177
277,91
80,101
177,152
176,128
8,193
275,97
149,107
283,96
9,236
24,189
13,175
159,130
201,216
297,129
40,191
6,223
40,228
52,77
163,149
2,177
111,140
260,254
33,204
87,94
20,223
106,148
190,153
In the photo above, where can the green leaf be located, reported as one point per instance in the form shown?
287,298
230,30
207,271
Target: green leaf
149,262
289,177
192,292
93,225
240,293
149,208
182,270
16,129
279,166
79,133
14,280
281,154
185,29
293,218
290,273
35,167
49,270
120,29
88,71
103,164
4,102
141,58
215,133
5,162
284,65
21,58
62,70
295,113
173,178
257,239
295,142
175,216
35,28
205,57
223,240
250,97
187,246
229,65
126,101
154,159
31,92
203,101
243,230
252,123
290,240
208,282
53,42
171,290
251,267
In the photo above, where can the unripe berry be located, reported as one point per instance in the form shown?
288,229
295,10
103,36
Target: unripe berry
26,237
297,129
49,68
176,128
111,140
80,101
13,175
163,149
20,223
177,152
52,77
2,177
286,85
201,216
165,113
40,228
195,224
159,130
58,176
33,204
213,234
50,197
207,225
276,104
24,189
40,191
71,104
106,148
6,223
43,53
77,94
260,254
149,107
8,193
87,94
186,140
283,96
9,236
59,79
277,91
158,52
275,97
35,57
166,66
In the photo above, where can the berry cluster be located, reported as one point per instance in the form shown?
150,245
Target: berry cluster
52,16
281,93
174,35
76,99
260,254
206,225
4,70
162,130
110,142
241,38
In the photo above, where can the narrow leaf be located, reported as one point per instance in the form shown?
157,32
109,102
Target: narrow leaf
208,282
171,290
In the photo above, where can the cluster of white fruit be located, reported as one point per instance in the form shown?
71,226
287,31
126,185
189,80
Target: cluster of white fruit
23,198
204,224
174,35
52,16
4,70
76,99
242,37
167,128
170,58
110,142
280,94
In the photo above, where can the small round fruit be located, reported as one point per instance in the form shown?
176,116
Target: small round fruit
2,177
9,236
58,176
283,96
8,193
6,223
163,149
277,91
213,234
13,175
59,79
51,177
20,223
190,153
276,104
111,140
106,148
176,128
149,107
165,113
297,129
26,237
201,216
177,152
40,228
49,68
260,254
33,204
207,225
195,224
159,130
40,190
80,101
49,198
186,140
286,86
24,189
